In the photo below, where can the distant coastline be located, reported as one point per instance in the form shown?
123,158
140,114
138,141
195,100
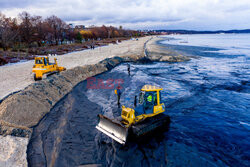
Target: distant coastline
203,32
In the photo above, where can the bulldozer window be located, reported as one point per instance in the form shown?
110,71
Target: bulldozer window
148,102
141,97
149,97
39,62
155,98
45,61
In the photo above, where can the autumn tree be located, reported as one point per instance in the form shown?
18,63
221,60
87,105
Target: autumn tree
104,31
86,34
97,32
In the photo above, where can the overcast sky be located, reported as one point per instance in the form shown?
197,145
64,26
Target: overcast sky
140,14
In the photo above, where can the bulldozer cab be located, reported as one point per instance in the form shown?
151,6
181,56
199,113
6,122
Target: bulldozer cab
42,61
147,101
150,96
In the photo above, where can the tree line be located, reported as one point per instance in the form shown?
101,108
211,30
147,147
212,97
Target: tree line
28,31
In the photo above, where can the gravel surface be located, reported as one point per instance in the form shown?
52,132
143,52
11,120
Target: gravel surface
13,151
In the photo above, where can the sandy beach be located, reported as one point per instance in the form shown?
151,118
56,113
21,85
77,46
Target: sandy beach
15,77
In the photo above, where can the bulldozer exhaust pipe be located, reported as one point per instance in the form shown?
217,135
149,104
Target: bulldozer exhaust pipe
113,129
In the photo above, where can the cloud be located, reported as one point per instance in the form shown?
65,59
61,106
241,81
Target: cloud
159,14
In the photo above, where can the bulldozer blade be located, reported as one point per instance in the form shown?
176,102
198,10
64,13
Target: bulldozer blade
113,129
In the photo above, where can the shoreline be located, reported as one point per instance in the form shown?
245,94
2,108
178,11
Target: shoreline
19,111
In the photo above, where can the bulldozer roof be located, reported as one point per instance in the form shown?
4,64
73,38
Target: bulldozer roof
151,88
40,57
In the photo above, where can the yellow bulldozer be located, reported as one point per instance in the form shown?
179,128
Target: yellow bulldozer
133,123
43,66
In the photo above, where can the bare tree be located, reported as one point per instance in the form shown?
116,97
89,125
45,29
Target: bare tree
40,29
26,28
57,28
35,30
8,31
